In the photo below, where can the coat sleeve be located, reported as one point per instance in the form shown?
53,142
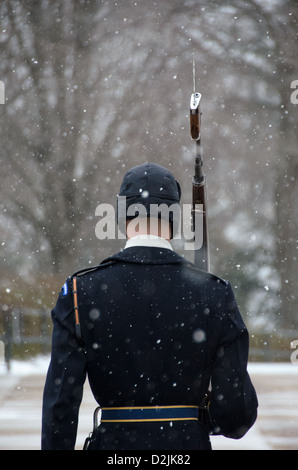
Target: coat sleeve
66,375
233,404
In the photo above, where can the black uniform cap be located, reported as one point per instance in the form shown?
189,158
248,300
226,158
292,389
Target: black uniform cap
148,184
154,180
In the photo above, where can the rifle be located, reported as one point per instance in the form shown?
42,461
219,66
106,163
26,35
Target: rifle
199,197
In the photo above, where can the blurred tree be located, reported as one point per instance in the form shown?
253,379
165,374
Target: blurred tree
93,88
51,96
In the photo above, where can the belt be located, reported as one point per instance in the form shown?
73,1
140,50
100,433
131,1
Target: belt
149,413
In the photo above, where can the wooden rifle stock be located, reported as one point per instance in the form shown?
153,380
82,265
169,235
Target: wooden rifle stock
199,197
199,214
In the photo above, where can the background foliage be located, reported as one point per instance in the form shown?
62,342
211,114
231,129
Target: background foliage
95,87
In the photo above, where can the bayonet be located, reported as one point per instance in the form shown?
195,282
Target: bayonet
195,113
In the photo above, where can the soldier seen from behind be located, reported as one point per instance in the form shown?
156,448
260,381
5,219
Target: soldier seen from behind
155,336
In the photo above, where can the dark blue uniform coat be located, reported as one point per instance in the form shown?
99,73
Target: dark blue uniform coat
156,331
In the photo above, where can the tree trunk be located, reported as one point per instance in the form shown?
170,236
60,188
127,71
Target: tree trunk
286,227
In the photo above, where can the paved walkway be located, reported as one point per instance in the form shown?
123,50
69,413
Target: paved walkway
276,428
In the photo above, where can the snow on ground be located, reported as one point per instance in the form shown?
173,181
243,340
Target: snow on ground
21,399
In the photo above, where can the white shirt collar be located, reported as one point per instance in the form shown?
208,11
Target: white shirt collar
148,240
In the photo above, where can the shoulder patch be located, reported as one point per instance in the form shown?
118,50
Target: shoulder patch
65,289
